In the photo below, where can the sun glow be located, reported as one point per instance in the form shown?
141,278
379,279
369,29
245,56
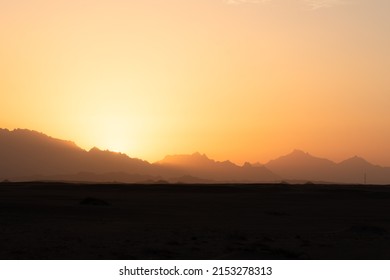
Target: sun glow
238,82
111,134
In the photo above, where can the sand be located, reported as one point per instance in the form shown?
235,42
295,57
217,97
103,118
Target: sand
115,221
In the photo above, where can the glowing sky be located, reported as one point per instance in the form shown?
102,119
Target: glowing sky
244,80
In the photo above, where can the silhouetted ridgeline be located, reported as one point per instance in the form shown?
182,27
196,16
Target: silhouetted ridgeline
28,155
302,166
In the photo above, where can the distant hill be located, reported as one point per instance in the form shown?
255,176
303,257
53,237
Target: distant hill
358,170
201,166
30,155
25,153
299,165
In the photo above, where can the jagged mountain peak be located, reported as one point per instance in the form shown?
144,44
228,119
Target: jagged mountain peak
300,154
199,155
187,159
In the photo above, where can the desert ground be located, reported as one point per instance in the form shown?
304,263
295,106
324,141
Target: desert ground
45,220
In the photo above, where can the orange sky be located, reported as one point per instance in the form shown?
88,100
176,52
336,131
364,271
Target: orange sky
239,80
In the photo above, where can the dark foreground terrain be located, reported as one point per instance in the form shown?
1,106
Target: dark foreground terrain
70,221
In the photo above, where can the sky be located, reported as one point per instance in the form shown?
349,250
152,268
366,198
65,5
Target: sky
245,80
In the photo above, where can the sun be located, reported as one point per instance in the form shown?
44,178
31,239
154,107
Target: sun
116,146
112,133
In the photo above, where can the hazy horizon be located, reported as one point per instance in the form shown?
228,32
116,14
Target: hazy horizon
191,153
239,80
27,155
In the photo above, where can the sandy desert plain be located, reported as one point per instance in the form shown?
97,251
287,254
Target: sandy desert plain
47,220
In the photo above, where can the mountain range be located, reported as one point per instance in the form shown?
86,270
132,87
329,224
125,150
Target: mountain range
27,155
299,165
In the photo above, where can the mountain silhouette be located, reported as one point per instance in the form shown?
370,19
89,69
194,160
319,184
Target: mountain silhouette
224,171
29,155
299,165
357,170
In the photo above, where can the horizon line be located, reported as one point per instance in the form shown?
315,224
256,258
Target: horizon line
294,150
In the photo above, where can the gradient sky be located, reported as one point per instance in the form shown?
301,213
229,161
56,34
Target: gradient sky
244,80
